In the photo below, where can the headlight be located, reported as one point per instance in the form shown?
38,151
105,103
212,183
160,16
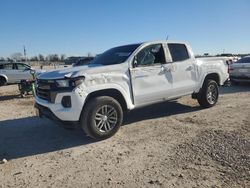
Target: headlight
62,83
77,81
69,83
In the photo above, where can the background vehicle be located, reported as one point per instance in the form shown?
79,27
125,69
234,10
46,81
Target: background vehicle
231,57
83,61
71,60
11,73
240,70
124,78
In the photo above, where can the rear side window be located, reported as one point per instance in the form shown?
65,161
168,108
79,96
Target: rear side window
178,52
244,60
1,66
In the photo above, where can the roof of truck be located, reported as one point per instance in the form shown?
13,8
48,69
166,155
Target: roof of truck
165,41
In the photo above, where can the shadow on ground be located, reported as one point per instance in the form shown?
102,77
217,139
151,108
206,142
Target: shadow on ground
243,87
158,110
9,97
31,136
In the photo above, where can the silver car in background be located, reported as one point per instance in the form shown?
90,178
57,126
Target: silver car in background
240,70
11,73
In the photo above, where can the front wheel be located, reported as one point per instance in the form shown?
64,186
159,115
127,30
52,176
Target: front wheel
209,94
101,117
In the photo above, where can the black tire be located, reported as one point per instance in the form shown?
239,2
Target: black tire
2,81
99,115
209,94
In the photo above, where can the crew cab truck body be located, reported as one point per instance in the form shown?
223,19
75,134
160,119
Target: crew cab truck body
96,96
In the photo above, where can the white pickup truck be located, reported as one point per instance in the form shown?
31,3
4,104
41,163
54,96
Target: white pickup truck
123,78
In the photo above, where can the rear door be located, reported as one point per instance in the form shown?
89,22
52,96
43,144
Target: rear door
184,69
151,80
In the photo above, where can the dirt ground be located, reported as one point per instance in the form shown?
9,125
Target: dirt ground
174,144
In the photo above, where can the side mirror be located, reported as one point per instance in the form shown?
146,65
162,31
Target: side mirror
135,63
32,72
27,69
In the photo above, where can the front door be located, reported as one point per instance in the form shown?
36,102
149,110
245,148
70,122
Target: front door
151,78
23,72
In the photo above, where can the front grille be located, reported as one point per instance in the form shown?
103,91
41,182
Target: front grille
43,89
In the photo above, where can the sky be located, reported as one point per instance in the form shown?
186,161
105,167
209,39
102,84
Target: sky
77,27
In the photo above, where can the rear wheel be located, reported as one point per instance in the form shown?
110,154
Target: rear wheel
209,94
101,117
2,81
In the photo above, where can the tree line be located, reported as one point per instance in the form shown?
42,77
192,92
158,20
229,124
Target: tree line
40,57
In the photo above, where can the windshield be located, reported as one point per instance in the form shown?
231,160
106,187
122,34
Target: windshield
115,55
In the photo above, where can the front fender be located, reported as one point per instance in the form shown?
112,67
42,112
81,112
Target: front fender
125,92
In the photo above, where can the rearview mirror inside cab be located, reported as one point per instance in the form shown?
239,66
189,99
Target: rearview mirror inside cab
135,62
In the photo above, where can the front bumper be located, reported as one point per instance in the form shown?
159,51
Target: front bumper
56,111
42,111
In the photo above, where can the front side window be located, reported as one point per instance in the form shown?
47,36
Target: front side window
151,55
178,52
22,66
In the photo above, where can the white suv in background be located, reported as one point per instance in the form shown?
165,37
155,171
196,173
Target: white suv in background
14,72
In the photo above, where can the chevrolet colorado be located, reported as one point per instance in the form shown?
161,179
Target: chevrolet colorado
123,78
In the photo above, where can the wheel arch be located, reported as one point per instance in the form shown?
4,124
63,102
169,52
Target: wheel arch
4,77
213,76
114,93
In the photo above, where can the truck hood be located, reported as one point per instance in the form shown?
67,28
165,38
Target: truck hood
72,72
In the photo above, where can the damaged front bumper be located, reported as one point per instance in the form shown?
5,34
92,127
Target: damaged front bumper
68,110
42,112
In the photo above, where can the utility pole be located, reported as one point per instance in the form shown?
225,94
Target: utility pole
24,53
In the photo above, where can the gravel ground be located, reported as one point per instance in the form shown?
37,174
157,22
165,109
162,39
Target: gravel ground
173,144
